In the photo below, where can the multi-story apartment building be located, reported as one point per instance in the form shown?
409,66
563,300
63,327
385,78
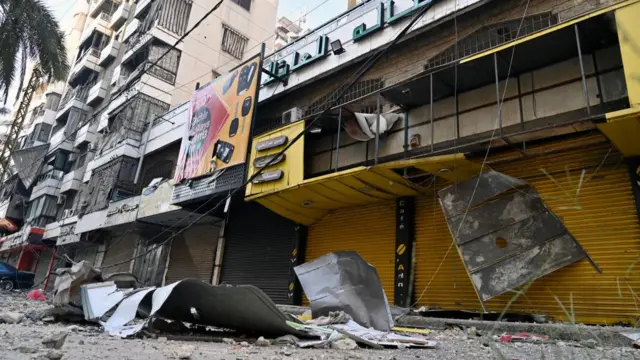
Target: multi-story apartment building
107,118
544,93
288,31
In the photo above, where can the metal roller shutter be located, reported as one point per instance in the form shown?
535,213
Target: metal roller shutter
368,230
193,253
43,259
120,248
602,217
258,249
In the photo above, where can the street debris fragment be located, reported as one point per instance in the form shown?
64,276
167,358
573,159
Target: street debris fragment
505,233
69,280
36,294
343,281
522,337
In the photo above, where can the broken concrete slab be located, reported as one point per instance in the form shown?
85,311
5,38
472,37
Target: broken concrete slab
55,341
505,234
11,318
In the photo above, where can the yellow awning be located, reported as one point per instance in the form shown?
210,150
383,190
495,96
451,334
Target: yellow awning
622,129
313,198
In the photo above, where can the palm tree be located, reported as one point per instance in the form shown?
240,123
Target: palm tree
28,31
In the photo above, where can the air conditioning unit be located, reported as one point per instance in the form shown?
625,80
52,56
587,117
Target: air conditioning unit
291,115
61,199
92,147
73,156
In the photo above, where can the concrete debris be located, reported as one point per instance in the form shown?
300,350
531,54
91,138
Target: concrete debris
262,342
344,344
69,280
244,344
55,341
11,318
522,337
185,352
286,340
27,349
228,341
54,355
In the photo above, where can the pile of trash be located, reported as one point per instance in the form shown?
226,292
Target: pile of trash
348,308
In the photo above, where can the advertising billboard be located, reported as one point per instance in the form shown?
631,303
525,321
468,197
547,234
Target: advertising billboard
220,117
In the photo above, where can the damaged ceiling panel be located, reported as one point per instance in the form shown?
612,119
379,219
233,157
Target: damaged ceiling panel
507,237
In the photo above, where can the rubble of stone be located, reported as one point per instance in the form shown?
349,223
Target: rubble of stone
83,340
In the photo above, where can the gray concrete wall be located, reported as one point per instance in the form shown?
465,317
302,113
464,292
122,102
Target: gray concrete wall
553,90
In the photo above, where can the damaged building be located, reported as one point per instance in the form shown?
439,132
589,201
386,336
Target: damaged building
491,152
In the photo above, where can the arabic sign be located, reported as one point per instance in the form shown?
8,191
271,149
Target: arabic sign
220,118
67,235
354,29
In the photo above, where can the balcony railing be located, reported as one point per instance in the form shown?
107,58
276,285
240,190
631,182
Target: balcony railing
79,93
51,175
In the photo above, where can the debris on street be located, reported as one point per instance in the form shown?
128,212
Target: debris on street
343,281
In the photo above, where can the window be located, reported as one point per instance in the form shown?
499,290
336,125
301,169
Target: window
44,131
233,42
246,4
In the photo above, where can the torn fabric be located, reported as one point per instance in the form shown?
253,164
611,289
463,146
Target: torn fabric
28,163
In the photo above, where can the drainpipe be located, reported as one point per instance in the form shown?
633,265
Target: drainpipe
217,268
144,149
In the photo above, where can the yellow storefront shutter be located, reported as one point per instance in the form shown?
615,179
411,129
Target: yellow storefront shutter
601,215
368,230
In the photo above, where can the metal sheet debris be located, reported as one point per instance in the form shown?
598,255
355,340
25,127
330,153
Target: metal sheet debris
69,280
505,234
242,308
343,281
98,298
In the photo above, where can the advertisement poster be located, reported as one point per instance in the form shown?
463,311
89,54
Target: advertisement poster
220,118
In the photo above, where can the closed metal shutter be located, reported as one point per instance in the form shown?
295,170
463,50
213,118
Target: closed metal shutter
602,218
193,253
120,249
257,250
43,259
368,230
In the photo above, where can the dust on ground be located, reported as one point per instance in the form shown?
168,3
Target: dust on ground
24,340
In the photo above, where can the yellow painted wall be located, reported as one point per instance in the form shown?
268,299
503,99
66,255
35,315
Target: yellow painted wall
629,36
606,225
292,166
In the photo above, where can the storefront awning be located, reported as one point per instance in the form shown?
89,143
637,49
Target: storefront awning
313,198
622,129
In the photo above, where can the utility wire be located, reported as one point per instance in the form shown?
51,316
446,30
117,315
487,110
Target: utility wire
342,90
484,161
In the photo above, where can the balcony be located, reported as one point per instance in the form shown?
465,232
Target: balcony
48,184
95,7
86,134
131,29
147,84
72,180
98,92
141,6
87,62
74,98
120,16
100,24
109,53
139,41
59,141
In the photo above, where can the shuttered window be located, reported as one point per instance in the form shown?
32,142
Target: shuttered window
233,42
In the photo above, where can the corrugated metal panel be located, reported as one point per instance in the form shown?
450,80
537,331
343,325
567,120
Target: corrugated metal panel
258,250
193,254
120,248
603,219
368,230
